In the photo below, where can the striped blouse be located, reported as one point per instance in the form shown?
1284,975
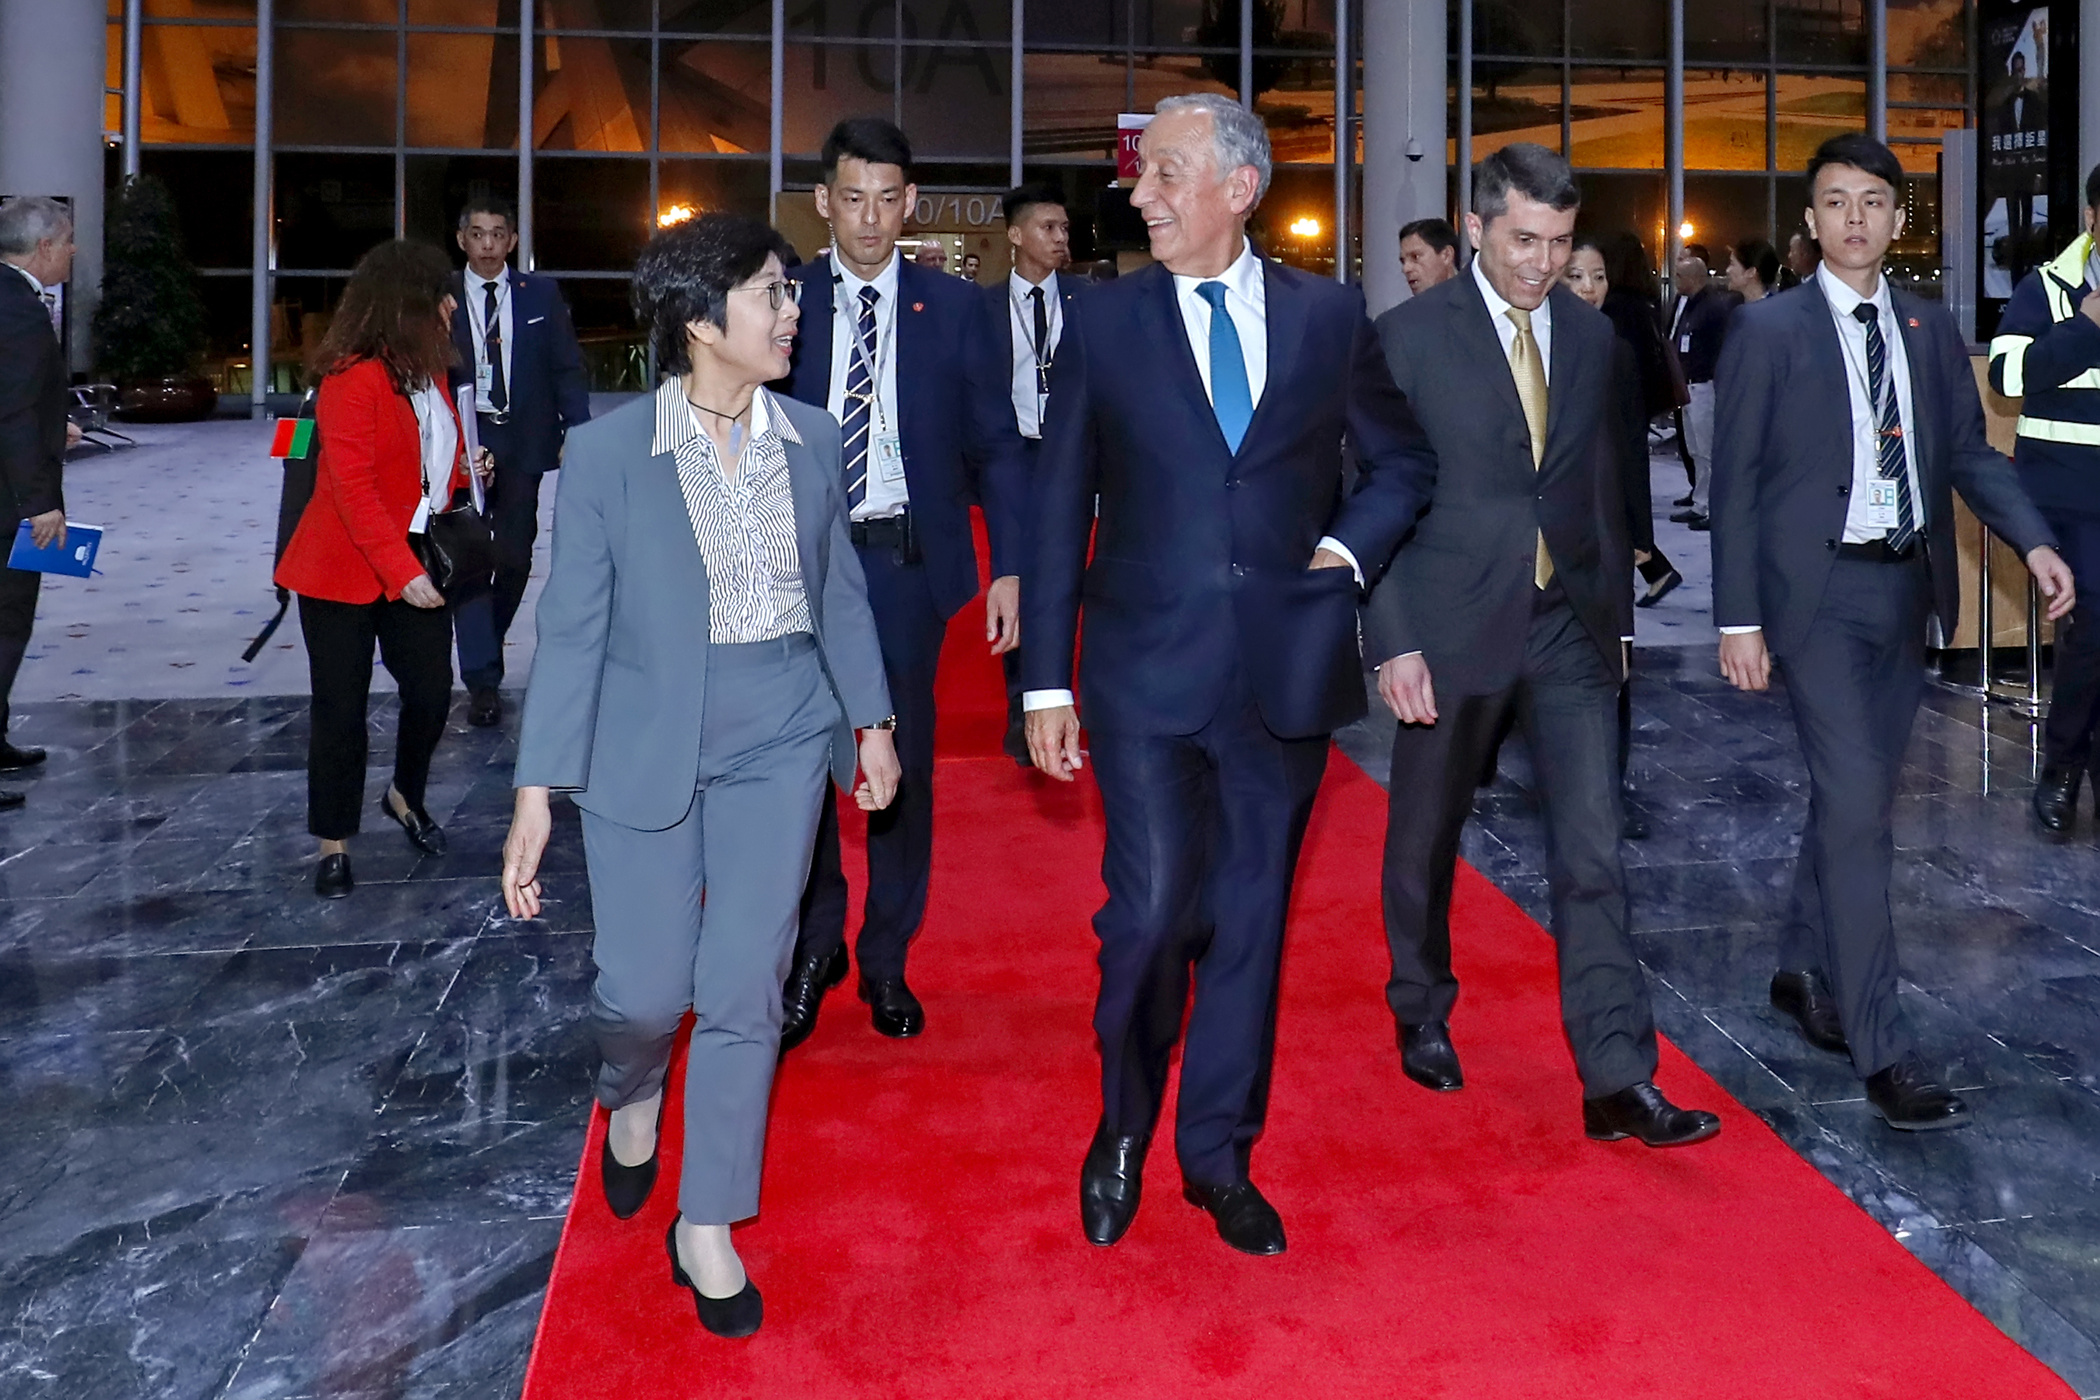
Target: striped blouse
745,527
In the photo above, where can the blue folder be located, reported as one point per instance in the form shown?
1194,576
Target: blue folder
75,557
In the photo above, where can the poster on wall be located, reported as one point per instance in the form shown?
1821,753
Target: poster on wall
2014,149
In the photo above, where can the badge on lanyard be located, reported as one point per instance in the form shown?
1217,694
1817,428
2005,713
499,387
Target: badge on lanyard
1881,505
484,378
889,456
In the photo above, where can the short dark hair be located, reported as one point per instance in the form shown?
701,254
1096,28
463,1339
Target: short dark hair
686,273
1697,250
1759,257
872,139
1861,152
1022,198
2092,188
1529,169
1435,232
488,204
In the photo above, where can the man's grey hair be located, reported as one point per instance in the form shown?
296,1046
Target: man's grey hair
1238,136
1532,171
28,220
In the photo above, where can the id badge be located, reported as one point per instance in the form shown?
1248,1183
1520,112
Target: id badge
1881,505
484,378
1684,345
889,456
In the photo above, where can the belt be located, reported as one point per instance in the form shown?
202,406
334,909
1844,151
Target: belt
1878,552
497,418
891,530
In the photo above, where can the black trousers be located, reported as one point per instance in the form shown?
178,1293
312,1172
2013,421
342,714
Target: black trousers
2074,699
1855,684
416,646
1567,704
482,616
1203,838
19,589
900,837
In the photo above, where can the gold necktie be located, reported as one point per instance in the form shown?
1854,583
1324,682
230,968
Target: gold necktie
1529,371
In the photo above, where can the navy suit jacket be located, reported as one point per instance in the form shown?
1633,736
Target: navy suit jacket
1200,554
955,414
997,298
547,391
1783,460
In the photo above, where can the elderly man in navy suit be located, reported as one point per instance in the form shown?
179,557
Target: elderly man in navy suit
1205,401
912,365
519,350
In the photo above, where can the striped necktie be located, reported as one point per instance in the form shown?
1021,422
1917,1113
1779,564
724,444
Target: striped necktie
492,347
1888,434
860,402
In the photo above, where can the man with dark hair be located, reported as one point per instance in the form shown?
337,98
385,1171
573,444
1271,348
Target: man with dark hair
909,361
1696,334
1848,413
2048,349
519,350
1511,594
1428,254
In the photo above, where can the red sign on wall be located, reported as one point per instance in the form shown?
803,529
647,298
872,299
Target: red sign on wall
1128,125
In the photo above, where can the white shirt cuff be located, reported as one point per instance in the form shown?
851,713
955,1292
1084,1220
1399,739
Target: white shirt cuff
1330,542
1401,657
1739,631
1045,699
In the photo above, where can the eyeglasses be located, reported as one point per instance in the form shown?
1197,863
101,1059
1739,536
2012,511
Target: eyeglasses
777,293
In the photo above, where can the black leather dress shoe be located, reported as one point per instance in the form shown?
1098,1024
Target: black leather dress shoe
1428,1058
737,1316
14,760
332,880
804,994
1110,1181
898,1014
2056,797
1908,1098
9,800
484,709
1245,1220
626,1188
1641,1111
1700,523
1685,516
1683,501
1659,590
1803,996
423,833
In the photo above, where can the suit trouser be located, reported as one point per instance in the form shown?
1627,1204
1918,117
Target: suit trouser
482,616
18,596
1699,442
2074,698
1567,703
1855,683
900,837
1203,838
416,646
702,915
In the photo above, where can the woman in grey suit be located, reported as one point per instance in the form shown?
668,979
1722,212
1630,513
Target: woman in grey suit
706,654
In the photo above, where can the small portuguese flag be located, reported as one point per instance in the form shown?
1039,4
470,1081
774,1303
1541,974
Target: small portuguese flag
294,437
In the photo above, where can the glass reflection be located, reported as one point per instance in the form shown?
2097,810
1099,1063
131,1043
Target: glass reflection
463,90
197,83
343,94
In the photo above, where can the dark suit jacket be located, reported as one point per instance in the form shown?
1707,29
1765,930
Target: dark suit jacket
32,404
547,391
1199,560
1783,460
955,414
1705,323
997,299
1461,591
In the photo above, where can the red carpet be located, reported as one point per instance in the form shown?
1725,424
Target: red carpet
920,1236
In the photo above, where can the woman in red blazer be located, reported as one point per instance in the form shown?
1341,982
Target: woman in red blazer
389,437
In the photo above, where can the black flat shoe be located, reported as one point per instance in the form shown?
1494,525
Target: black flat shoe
484,709
803,996
1701,523
1641,1111
1682,501
1910,1100
626,1188
1659,590
1428,1057
332,880
737,1316
1245,1220
2056,797
1685,516
423,833
1803,996
897,1012
1110,1181
14,760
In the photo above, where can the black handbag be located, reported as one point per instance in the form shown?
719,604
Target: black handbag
456,547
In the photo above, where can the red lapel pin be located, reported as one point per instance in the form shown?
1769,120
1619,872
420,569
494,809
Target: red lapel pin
921,306
1913,323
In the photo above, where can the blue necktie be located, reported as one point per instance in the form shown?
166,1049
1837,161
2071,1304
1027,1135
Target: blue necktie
1888,425
1230,398
859,417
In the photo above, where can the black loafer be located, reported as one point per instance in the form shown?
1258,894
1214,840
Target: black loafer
484,709
897,1013
1245,1220
426,835
14,760
2056,797
1910,1100
1802,996
332,880
1685,516
1110,1181
737,1316
1428,1057
1681,502
1700,523
1659,590
1641,1111
803,996
626,1188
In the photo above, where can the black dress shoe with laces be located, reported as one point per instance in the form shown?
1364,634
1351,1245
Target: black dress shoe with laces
626,1188
332,880
1245,1220
14,760
1908,1098
897,1013
1110,1181
1428,1058
1803,996
1641,1111
423,833
2056,797
736,1316
485,708
804,995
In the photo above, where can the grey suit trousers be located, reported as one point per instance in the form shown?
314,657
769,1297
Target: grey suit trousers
743,848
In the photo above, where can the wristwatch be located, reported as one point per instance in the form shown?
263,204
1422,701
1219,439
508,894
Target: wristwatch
887,722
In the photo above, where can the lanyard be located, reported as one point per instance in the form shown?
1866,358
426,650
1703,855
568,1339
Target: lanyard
1040,353
886,310
477,311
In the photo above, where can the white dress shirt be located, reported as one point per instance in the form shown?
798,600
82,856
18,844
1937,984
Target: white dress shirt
884,498
34,285
1506,329
476,287
438,434
1020,310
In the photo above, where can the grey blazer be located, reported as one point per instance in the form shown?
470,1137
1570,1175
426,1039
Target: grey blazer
619,681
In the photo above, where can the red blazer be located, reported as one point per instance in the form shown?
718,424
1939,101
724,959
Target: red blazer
351,545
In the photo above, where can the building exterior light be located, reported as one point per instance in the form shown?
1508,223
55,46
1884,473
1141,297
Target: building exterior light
676,214
1307,227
